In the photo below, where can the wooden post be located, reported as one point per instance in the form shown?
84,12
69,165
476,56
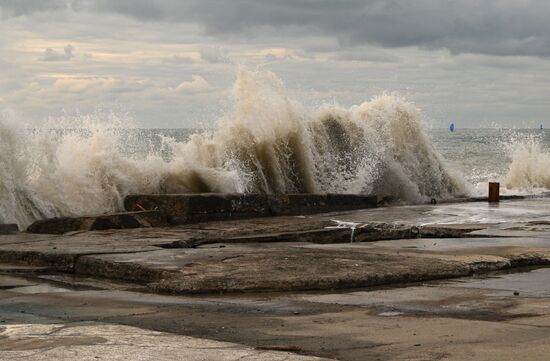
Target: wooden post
494,190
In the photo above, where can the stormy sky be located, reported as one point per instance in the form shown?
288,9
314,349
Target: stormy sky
171,63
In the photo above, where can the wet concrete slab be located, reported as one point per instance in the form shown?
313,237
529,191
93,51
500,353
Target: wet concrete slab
462,319
532,283
8,282
93,341
443,244
457,213
256,267
502,296
232,256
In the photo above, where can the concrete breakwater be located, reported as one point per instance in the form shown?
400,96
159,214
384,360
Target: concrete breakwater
156,210
191,208
161,210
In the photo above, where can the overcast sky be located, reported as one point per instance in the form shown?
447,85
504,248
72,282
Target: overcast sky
171,63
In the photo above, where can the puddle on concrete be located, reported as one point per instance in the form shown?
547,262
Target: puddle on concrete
484,298
483,212
445,244
441,244
8,282
390,314
40,288
533,283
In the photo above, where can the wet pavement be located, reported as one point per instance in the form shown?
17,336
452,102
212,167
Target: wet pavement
464,319
93,295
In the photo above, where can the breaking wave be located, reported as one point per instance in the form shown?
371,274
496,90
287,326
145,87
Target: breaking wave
529,168
268,143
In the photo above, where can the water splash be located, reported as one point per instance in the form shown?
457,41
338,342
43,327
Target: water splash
268,143
530,166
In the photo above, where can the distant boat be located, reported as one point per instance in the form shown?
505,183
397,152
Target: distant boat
452,127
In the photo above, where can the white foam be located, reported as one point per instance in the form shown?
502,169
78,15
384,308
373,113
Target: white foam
530,167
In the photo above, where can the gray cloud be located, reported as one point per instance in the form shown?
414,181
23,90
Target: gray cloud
9,8
368,55
141,9
498,27
178,59
214,55
53,55
144,56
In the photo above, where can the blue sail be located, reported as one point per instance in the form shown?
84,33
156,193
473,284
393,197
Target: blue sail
452,127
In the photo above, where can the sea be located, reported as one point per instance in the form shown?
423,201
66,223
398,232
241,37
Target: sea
267,143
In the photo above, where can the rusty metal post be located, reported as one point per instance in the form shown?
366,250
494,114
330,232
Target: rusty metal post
494,191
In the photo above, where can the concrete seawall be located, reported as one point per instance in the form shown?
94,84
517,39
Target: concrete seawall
97,223
192,208
159,210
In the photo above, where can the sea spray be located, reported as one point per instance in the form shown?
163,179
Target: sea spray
530,166
76,168
268,143
272,144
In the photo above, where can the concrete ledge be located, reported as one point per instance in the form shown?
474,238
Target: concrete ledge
8,229
366,233
103,222
193,208
47,342
62,262
512,197
321,271
335,235
297,204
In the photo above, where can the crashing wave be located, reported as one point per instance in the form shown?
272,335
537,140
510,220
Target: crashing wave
267,144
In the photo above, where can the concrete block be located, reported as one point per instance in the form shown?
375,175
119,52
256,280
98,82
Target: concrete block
203,207
8,229
297,204
103,222
192,208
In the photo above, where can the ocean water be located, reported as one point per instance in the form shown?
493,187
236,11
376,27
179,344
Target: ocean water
517,158
268,143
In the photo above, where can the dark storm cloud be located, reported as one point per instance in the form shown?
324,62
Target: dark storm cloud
498,27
